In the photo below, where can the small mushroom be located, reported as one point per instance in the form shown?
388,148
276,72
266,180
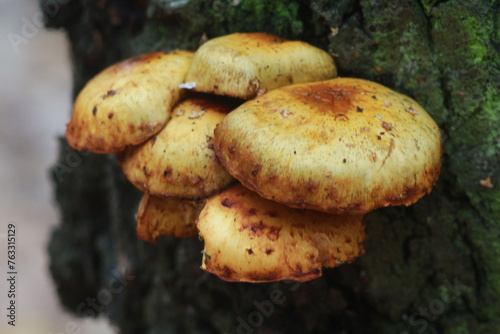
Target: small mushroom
180,160
251,239
167,216
340,148
245,65
128,102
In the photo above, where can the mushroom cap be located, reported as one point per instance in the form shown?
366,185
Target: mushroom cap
180,160
344,146
251,239
168,216
128,102
244,65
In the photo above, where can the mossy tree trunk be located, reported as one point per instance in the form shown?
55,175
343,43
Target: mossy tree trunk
431,268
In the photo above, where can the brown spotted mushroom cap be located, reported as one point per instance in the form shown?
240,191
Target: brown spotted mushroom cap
167,216
128,102
251,239
339,146
244,65
180,160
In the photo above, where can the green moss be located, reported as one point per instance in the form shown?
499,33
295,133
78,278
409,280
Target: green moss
154,38
223,17
475,98
469,28
478,35
183,27
441,55
417,72
470,65
428,5
486,242
402,54
466,57
282,14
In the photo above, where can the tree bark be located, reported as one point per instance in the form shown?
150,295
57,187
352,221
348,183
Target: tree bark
433,267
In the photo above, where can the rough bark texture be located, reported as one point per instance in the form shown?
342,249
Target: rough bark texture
430,268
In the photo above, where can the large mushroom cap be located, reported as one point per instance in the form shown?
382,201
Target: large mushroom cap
128,102
168,216
251,239
180,160
339,146
246,64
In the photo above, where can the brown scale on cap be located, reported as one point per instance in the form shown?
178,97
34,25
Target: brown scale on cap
327,155
318,94
251,239
128,102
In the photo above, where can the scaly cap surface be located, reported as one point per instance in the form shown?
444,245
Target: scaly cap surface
251,239
128,102
339,146
180,160
244,65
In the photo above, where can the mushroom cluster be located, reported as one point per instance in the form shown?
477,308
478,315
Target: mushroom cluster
254,144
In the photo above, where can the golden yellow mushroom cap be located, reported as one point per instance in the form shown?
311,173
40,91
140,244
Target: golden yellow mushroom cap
244,65
167,216
128,102
180,160
251,239
339,146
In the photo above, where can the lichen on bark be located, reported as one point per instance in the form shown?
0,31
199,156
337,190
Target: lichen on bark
431,268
